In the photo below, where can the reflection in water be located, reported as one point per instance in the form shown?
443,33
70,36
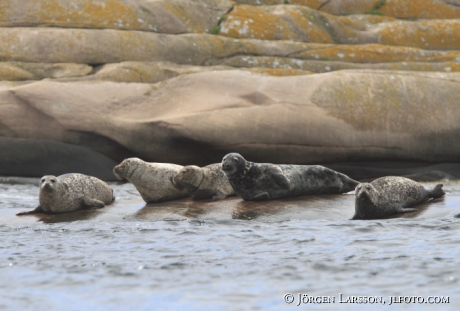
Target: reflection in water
248,210
422,208
195,209
65,217
309,207
184,208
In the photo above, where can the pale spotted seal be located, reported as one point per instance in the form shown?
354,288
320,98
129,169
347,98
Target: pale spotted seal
204,183
264,181
154,181
389,196
71,192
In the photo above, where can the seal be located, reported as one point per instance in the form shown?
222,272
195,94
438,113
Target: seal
208,182
265,181
154,181
71,192
387,196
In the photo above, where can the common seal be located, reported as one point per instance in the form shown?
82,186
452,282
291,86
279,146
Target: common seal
71,192
264,181
154,181
387,196
204,183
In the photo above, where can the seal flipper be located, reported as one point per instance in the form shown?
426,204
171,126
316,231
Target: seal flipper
36,210
260,197
176,184
279,178
219,196
92,203
437,192
400,209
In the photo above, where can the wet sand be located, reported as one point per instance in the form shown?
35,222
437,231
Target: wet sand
228,255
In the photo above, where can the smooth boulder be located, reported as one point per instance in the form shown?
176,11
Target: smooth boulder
198,118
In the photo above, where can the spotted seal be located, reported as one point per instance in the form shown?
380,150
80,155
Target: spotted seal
387,196
154,181
204,183
264,181
71,192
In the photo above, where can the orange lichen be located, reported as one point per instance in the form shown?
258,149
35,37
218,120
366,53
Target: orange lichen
297,23
253,22
88,14
375,53
429,34
11,72
387,102
311,24
314,4
420,9
363,22
183,16
429,9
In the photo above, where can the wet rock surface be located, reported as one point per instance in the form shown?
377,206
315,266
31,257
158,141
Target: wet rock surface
347,116
298,81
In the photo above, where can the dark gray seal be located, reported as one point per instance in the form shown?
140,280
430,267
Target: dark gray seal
389,196
265,181
208,182
71,192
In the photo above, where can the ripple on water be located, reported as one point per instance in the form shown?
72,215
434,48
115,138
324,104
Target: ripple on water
116,258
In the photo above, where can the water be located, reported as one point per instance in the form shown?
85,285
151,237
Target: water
228,255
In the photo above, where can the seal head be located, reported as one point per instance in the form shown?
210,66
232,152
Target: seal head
48,183
190,177
366,197
126,168
203,183
365,192
233,164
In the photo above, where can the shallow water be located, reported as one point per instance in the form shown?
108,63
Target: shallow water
227,255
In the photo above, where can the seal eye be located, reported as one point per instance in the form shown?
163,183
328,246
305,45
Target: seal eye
235,159
368,187
53,180
42,180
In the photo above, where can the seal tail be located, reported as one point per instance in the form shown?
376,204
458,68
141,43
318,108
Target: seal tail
437,192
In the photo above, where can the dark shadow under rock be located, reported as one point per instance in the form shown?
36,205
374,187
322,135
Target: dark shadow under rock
36,158
418,171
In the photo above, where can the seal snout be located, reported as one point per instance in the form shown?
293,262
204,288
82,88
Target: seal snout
363,190
118,169
47,186
226,167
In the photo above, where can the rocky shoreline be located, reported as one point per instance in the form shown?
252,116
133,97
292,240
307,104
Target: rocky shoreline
89,83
